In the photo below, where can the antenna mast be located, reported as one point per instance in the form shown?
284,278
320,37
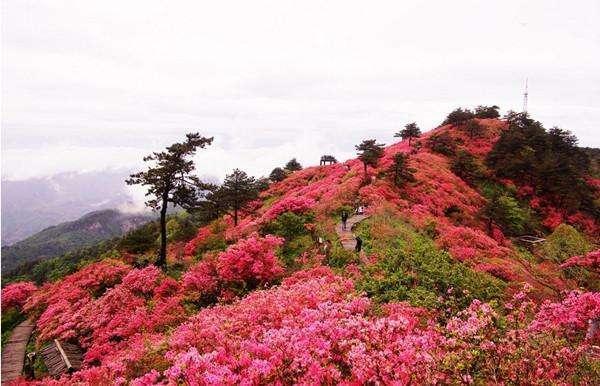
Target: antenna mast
525,95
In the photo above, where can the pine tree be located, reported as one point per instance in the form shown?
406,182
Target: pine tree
369,152
442,143
400,172
293,165
467,167
278,174
170,181
549,160
410,131
237,190
458,116
487,111
213,203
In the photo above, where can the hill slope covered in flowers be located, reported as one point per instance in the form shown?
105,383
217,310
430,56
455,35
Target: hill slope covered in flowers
439,294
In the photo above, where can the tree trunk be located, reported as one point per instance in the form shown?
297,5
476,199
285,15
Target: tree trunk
365,165
235,216
409,140
162,257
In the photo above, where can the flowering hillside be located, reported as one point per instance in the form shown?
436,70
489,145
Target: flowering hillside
443,291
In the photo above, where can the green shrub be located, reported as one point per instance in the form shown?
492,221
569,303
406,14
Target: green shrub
10,319
339,257
181,227
141,239
288,225
514,216
565,242
294,248
413,269
291,227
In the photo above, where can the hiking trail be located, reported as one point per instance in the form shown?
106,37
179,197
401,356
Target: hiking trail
13,352
346,236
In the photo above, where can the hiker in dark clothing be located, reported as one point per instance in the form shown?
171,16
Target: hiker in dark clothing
358,244
29,366
344,219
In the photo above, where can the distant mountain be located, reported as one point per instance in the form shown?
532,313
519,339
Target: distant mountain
31,205
56,240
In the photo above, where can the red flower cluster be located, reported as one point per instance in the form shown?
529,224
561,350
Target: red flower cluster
16,294
201,237
288,204
57,302
251,261
590,261
466,244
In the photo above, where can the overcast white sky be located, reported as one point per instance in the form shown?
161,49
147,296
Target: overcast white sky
89,85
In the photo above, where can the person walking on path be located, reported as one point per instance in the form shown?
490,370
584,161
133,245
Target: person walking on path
344,219
358,244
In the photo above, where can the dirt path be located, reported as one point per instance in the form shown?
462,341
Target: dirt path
346,236
13,352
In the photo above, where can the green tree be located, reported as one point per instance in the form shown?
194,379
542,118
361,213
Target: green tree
169,180
293,165
277,174
473,128
399,171
410,131
505,212
369,152
262,184
467,167
212,205
141,239
237,190
487,111
549,160
458,116
442,143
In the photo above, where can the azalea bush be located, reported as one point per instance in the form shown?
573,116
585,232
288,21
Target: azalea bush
16,294
589,261
585,269
208,238
87,283
14,297
526,342
245,265
117,322
289,204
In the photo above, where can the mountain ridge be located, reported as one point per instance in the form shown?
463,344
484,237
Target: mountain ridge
58,239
